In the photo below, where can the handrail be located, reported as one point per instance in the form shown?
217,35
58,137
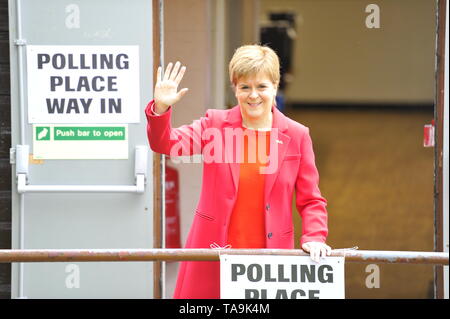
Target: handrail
121,255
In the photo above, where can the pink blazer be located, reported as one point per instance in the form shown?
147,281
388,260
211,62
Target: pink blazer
292,167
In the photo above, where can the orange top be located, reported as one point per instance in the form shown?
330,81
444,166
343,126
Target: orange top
247,224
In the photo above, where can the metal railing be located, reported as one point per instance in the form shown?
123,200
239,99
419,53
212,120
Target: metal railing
130,255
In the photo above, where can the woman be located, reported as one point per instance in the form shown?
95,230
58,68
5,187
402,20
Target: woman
254,159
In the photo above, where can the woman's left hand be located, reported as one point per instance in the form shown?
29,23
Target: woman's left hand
316,250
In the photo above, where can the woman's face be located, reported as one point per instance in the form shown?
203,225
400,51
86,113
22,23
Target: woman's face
255,95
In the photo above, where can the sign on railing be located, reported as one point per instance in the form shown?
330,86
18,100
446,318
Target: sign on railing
281,277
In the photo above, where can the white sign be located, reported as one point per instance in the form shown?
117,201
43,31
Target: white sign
83,84
281,277
80,141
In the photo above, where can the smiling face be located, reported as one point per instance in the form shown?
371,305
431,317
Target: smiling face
256,96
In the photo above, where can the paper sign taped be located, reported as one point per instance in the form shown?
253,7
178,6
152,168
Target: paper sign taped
83,84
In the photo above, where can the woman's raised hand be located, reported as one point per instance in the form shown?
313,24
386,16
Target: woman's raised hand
166,87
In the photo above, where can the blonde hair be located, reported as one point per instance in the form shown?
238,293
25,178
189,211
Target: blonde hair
249,60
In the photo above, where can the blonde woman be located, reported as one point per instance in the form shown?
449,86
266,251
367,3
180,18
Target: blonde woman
254,158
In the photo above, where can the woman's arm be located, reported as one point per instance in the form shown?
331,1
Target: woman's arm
183,141
310,203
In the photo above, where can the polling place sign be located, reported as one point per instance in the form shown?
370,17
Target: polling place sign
281,277
83,84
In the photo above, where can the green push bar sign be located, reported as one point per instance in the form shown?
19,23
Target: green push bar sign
88,133
80,141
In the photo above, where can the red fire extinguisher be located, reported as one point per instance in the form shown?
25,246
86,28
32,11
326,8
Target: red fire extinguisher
172,208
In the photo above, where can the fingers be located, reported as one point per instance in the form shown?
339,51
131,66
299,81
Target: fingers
180,75
167,72
317,250
306,247
174,74
323,252
158,75
181,93
175,71
316,253
328,249
167,84
313,250
313,254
